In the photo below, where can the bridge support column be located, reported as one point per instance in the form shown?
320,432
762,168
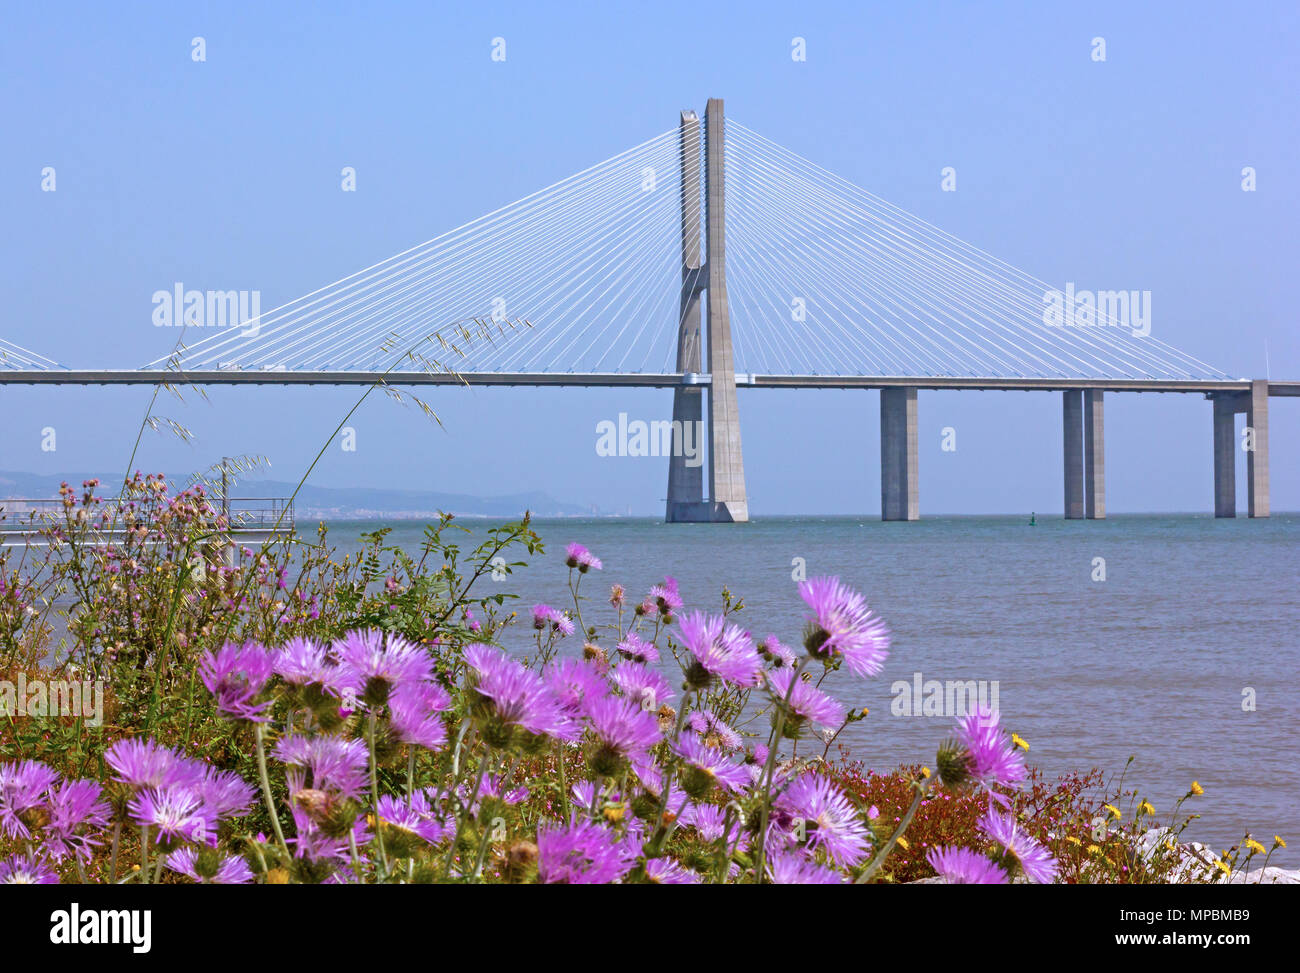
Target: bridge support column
727,501
726,465
1225,457
1094,454
686,481
1257,456
900,495
1072,412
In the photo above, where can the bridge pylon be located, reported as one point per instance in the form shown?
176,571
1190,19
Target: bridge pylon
727,502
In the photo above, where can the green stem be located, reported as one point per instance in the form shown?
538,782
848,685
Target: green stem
464,810
374,795
778,726
883,853
266,791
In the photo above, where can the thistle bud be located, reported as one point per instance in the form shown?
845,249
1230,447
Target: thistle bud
953,762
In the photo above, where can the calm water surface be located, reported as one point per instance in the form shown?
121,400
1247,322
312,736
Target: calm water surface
1153,661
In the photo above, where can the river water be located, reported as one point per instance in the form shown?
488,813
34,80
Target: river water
1173,638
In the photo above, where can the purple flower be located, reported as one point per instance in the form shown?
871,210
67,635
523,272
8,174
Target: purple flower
22,791
637,649
792,868
26,870
231,870
804,702
301,662
580,854
74,807
517,697
325,763
991,756
830,821
843,626
720,650
236,675
647,687
579,557
171,813
492,788
708,766
545,616
775,652
712,730
961,866
382,664
622,726
666,871
315,845
710,821
416,709
145,763
1034,860
576,684
221,794
666,596
416,815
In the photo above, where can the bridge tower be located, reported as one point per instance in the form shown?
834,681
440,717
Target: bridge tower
727,502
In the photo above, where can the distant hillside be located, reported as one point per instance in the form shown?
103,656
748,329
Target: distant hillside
334,503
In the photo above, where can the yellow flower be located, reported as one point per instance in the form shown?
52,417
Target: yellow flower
1113,810
1146,808
1223,867
1255,846
925,772
1018,741
1073,840
865,711
613,813
1278,842
1197,789
277,876
902,843
1094,850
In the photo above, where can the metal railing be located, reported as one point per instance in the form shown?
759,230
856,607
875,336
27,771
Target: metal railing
26,515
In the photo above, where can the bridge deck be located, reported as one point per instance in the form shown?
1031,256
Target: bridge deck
624,380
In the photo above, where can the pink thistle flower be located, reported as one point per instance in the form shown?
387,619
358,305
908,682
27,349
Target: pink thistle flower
842,626
721,650
961,866
579,557
1034,860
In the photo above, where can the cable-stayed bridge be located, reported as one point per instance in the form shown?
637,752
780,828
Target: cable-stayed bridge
706,259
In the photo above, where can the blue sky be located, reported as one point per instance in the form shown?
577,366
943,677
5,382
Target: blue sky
225,174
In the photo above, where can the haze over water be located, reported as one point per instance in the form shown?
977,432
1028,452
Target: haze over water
1151,662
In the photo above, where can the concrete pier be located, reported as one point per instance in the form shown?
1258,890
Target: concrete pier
900,497
1226,406
1225,457
1072,413
1094,454
686,482
726,464
1257,458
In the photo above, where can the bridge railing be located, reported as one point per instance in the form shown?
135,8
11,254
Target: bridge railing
25,515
